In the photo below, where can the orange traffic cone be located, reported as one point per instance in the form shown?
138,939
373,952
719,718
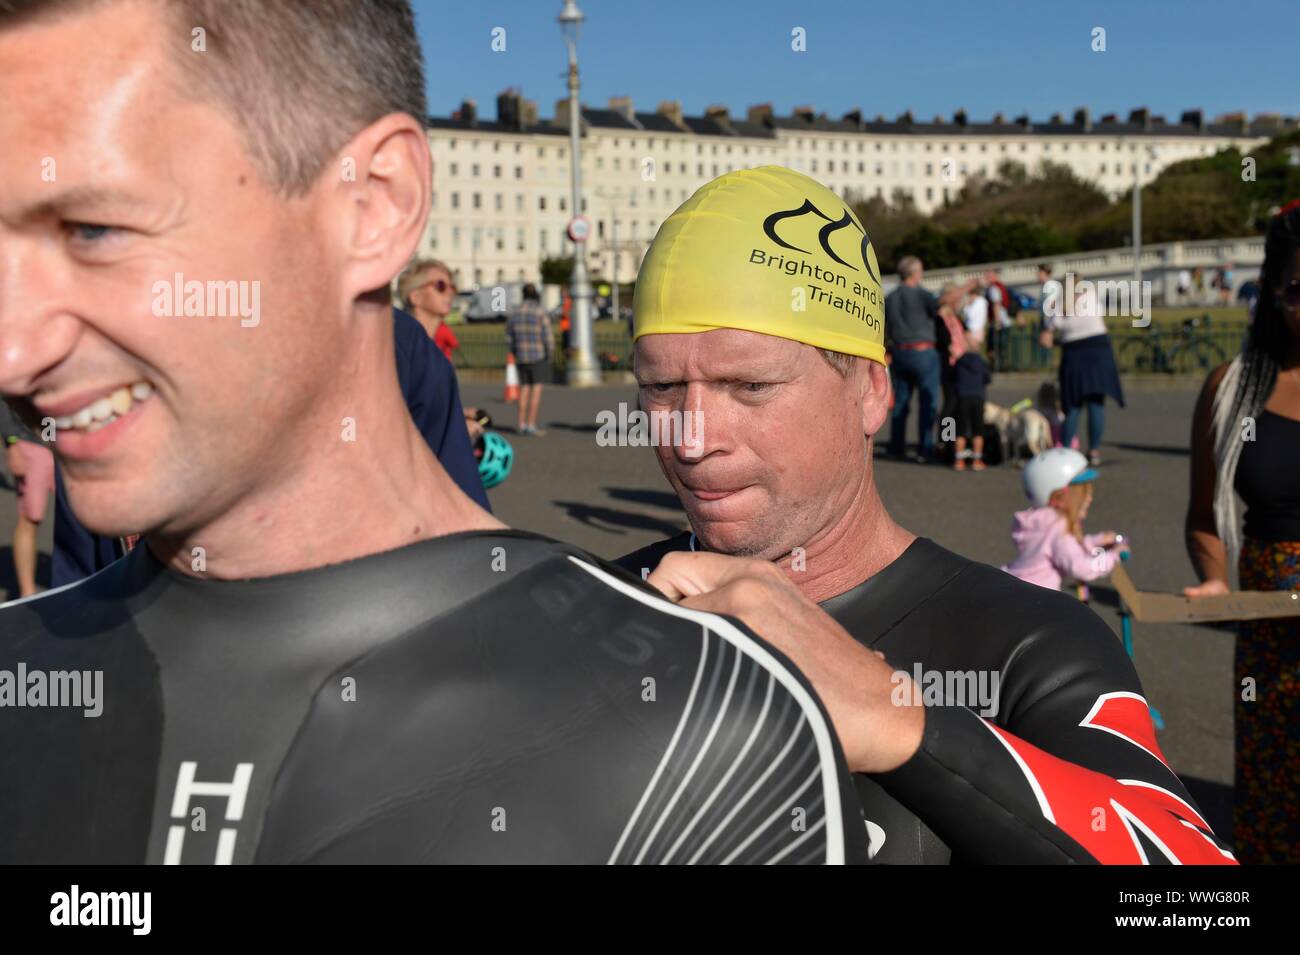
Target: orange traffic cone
512,380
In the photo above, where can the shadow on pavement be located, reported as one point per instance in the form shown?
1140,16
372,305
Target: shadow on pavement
1150,448
613,521
664,499
565,426
1215,803
1104,598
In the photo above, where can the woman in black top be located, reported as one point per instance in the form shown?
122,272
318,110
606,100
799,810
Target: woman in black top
1246,441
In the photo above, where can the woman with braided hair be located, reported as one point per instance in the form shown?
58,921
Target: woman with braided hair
1246,442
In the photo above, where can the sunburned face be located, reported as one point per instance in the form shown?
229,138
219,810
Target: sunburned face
115,193
781,440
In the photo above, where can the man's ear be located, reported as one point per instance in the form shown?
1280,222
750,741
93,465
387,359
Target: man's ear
875,395
380,201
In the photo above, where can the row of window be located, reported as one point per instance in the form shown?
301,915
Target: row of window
773,152
845,166
494,238
562,203
521,275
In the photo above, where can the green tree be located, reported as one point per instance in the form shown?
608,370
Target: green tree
557,270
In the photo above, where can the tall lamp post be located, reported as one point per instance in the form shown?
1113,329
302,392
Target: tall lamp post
1149,153
614,198
583,370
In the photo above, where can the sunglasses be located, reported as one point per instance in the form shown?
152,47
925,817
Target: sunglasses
442,285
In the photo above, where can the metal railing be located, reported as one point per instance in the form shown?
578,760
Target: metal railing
1184,346
1192,346
483,345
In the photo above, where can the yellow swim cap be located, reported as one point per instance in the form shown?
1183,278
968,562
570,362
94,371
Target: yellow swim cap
764,250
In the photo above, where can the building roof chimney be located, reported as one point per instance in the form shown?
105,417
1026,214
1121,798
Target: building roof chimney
671,110
515,112
562,114
623,106
1193,117
854,116
720,115
1141,116
760,113
1240,120
804,113
1083,117
959,117
468,113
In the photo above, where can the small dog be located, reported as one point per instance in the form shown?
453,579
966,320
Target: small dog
1028,434
999,417
1023,433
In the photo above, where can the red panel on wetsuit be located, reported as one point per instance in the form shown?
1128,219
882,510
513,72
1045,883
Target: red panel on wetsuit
1116,821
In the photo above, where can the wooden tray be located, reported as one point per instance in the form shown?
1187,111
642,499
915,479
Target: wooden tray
1151,607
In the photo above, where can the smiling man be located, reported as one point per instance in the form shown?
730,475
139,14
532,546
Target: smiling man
322,644
1032,742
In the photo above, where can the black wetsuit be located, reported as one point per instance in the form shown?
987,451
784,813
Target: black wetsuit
482,697
1059,764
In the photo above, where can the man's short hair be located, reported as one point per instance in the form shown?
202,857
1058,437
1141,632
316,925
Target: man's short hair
1044,267
299,77
839,361
908,266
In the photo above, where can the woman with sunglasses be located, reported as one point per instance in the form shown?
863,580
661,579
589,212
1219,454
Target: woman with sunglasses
429,292
1246,442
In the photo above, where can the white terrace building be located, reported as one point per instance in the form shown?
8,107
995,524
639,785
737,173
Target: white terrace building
502,194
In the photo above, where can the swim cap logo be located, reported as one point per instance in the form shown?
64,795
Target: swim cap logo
823,235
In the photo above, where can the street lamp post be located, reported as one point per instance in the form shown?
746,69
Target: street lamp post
614,198
583,370
613,241
1149,153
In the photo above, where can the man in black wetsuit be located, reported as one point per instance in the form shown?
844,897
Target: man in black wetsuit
324,651
758,314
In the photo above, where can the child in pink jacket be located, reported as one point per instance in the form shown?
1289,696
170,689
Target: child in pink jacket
1049,536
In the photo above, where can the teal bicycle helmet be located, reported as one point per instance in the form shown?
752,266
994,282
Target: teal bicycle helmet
498,456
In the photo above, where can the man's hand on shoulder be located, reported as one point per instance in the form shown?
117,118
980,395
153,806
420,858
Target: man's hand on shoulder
857,687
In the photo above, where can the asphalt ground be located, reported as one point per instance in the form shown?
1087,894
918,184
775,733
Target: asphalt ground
611,500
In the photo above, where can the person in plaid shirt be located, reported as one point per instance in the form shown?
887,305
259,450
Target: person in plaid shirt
529,340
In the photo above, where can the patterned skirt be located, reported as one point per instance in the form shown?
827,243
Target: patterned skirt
1266,812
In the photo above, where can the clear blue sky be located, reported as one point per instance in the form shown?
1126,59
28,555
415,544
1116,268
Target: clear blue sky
931,57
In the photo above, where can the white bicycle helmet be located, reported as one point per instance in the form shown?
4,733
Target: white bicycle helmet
1052,470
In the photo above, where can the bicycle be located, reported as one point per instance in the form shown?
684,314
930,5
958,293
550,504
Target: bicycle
1150,351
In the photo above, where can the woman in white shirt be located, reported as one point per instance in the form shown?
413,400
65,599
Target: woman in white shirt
975,316
1088,373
